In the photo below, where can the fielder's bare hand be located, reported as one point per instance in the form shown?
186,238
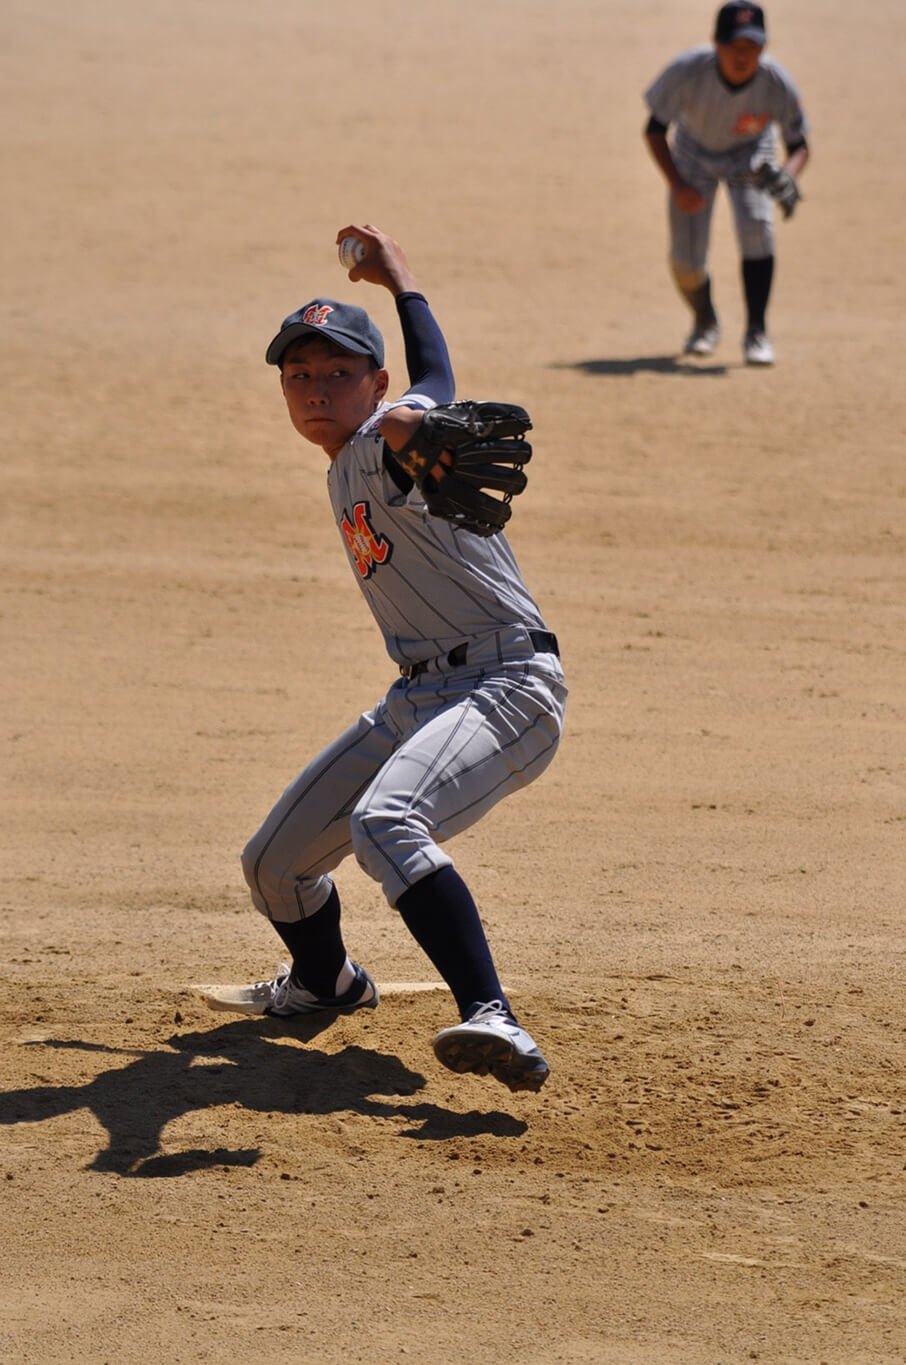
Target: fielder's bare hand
687,198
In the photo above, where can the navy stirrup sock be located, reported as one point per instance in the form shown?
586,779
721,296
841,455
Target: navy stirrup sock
442,917
757,277
317,947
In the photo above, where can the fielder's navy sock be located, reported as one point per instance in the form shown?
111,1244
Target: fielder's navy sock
316,944
702,306
442,917
756,278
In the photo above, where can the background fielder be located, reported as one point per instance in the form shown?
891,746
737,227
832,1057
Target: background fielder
723,101
476,713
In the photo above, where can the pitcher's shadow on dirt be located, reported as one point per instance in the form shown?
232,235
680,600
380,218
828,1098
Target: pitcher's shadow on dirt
645,364
241,1063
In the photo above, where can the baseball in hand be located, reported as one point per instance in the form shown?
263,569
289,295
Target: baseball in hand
351,250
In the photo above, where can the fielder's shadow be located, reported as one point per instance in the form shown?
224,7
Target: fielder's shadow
241,1063
646,364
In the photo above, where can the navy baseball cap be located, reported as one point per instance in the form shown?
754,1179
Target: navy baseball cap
739,20
342,323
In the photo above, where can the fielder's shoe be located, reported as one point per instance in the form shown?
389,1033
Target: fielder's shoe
702,340
757,349
283,997
490,1041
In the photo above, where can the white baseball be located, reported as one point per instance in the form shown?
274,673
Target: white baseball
351,251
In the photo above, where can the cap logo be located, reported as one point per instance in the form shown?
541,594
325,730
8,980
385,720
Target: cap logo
315,316
744,16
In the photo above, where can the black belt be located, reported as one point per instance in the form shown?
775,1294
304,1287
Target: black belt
543,642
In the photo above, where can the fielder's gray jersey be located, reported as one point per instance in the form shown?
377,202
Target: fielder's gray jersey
430,586
718,118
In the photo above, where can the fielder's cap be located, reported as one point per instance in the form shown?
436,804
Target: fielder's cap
739,20
342,323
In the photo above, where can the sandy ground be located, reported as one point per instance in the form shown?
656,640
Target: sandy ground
698,911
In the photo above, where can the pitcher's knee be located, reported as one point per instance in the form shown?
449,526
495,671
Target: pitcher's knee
249,858
280,891
395,852
370,834
252,872
271,884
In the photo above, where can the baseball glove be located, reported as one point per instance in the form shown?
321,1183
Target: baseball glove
480,446
780,185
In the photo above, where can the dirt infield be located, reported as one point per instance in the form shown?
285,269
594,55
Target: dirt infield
698,911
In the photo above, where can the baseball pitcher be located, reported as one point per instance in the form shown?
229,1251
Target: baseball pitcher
420,489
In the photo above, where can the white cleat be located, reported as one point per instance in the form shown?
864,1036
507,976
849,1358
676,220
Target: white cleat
703,340
490,1042
757,349
283,997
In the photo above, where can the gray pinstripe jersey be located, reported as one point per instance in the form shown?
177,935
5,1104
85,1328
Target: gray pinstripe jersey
691,94
429,585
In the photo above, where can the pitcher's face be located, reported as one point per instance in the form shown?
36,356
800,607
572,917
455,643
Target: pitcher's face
329,392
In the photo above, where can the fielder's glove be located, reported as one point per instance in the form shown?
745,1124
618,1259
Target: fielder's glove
486,450
780,185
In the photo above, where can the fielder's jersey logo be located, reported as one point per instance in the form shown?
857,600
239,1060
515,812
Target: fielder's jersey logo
315,316
367,547
747,125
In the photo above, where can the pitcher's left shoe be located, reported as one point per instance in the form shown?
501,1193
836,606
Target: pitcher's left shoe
491,1042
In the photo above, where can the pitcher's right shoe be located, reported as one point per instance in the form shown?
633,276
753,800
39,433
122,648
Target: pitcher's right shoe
491,1042
283,997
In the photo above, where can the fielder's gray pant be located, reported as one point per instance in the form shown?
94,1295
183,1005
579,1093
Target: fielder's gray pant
753,209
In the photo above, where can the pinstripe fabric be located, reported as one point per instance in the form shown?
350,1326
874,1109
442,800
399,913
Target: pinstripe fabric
496,734
721,120
719,132
428,761
439,751
428,585
753,209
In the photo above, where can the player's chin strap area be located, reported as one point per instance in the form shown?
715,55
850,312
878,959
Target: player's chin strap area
543,642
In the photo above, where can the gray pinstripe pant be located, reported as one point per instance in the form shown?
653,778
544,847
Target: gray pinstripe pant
433,757
753,209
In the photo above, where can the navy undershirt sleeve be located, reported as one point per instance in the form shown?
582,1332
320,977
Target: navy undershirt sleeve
428,364
427,357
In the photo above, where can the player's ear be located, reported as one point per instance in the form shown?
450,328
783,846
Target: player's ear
381,381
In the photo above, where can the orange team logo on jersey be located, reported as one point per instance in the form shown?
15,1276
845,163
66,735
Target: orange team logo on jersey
367,548
315,316
747,125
